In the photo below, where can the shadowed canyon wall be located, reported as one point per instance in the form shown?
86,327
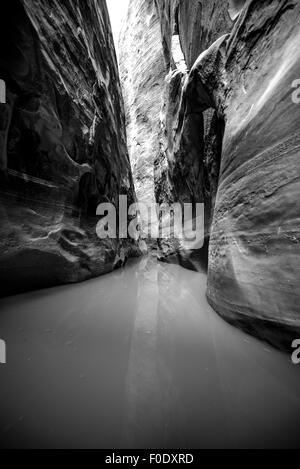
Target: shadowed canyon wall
229,137
187,165
62,143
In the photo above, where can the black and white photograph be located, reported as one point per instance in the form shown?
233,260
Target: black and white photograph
150,227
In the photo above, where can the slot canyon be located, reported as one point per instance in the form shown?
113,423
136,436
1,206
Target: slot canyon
149,342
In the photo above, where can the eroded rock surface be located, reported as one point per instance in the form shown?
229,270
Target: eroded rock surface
187,166
254,259
62,143
253,274
143,72
229,137
199,23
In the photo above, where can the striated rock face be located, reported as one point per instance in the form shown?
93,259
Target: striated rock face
246,77
254,271
229,137
199,23
187,166
143,72
62,143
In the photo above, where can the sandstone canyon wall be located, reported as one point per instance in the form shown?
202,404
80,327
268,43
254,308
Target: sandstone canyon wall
229,137
142,71
254,271
187,165
62,141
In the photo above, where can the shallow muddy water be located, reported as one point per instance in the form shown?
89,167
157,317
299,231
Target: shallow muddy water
138,359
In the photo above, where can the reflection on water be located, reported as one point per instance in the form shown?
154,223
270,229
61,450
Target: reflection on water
138,359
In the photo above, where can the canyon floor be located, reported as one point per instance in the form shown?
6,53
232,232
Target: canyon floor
138,359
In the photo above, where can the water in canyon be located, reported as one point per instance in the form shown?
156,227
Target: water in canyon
138,359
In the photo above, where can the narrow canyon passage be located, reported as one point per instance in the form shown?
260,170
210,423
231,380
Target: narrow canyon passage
159,130
136,359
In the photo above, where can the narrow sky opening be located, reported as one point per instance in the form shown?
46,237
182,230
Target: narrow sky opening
117,11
